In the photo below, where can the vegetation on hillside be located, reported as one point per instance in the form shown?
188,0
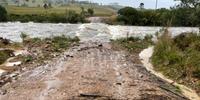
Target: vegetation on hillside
64,14
69,16
98,10
179,58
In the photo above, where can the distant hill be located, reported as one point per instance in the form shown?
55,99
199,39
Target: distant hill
115,6
37,3
58,6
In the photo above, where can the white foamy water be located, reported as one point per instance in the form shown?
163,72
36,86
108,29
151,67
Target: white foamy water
90,31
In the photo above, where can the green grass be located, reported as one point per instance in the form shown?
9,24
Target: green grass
179,58
57,44
133,44
47,48
99,11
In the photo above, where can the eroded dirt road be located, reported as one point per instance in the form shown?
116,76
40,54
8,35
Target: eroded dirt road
90,71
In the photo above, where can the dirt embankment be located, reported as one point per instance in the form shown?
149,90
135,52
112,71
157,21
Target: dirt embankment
90,71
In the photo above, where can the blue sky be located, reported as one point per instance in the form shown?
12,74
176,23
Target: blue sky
135,3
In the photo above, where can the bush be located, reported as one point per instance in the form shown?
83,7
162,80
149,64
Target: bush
73,17
3,14
129,16
91,11
167,58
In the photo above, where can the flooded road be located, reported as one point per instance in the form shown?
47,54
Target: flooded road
86,32
90,70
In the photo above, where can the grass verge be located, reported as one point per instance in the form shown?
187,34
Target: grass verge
132,44
179,58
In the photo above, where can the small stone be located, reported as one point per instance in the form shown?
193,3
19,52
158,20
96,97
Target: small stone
100,45
118,83
3,92
13,75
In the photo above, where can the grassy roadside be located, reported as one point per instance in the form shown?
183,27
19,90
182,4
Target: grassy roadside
132,44
179,58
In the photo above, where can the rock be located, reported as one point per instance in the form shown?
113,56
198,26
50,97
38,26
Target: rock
13,75
69,56
100,45
3,92
4,41
3,73
118,83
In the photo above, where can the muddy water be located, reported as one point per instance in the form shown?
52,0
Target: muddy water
90,31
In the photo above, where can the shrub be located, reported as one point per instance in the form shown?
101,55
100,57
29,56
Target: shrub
167,58
90,11
3,14
23,36
129,15
72,16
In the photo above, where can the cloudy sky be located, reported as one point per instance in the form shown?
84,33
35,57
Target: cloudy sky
135,3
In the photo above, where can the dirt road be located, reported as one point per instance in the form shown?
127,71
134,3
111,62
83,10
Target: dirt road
90,71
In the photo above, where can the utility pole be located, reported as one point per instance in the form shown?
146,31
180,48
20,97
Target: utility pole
156,4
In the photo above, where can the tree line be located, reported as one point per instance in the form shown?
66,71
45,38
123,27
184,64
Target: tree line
187,13
69,17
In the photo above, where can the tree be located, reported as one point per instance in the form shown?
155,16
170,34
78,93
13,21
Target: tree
73,17
45,6
141,6
129,15
189,3
3,14
91,11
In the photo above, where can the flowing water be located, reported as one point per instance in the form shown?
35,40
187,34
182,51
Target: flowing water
90,31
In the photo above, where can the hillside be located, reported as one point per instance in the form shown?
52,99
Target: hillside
99,10
58,6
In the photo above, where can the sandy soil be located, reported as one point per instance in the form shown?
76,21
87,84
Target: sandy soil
90,71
